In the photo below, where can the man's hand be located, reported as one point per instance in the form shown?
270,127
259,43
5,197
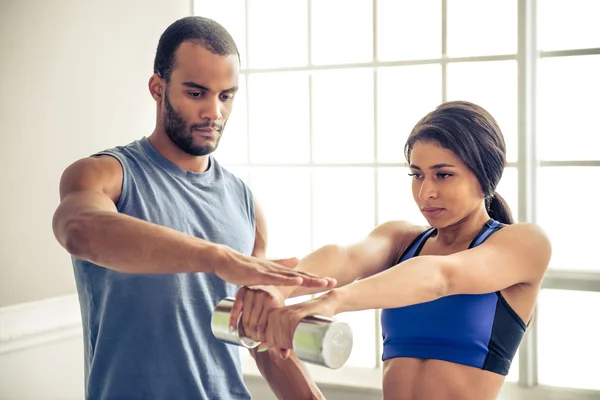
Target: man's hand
250,271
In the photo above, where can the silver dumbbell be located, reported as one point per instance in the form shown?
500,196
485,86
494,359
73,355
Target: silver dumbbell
318,340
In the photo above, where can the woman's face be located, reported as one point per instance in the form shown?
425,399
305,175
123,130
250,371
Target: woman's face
444,188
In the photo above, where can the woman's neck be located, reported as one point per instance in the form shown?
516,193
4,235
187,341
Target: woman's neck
462,231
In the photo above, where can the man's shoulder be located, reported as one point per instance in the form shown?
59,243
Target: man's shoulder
131,147
230,176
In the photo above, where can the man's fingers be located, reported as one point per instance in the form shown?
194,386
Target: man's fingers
277,280
293,280
287,262
285,277
319,282
310,279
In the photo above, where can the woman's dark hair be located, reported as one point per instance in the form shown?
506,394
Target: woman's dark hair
203,31
471,133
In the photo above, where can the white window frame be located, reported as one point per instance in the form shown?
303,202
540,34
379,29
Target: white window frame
527,165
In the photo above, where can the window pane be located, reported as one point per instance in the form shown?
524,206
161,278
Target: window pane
279,119
343,201
569,99
498,95
508,188
288,216
477,28
568,24
233,147
280,41
341,31
569,329
395,197
363,336
229,13
513,373
397,22
342,102
404,96
566,204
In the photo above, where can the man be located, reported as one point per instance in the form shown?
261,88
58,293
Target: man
160,232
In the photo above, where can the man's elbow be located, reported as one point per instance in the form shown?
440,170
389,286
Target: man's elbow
71,233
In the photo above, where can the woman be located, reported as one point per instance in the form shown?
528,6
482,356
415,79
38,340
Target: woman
456,295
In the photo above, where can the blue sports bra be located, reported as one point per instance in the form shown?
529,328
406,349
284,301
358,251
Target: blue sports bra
481,330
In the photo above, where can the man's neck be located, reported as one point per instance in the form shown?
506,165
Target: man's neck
169,150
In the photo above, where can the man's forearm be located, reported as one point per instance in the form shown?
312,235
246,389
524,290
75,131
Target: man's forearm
289,379
131,245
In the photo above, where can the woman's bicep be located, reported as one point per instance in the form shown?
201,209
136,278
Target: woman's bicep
516,254
382,248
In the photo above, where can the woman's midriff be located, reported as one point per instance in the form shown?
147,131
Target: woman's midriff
418,379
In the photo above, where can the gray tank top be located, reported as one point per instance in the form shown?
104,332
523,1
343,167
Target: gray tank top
148,336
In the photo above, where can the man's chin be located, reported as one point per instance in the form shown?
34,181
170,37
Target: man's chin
198,146
201,150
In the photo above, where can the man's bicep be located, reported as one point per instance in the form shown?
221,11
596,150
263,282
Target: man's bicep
89,184
260,235
103,175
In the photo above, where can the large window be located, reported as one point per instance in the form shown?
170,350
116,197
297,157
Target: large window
330,90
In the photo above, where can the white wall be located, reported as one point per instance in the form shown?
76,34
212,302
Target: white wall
48,371
73,79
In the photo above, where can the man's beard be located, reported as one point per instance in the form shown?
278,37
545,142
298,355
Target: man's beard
183,137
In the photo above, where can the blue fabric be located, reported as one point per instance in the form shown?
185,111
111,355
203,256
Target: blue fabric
481,331
148,336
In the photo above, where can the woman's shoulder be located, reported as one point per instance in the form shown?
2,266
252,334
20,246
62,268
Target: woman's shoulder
402,232
521,230
526,238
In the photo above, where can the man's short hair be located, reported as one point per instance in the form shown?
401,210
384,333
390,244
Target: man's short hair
200,30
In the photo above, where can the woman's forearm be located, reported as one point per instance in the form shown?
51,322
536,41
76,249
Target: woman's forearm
331,261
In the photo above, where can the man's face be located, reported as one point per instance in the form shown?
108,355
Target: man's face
198,98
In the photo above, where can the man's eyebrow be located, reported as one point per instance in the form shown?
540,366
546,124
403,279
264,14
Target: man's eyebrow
195,85
436,166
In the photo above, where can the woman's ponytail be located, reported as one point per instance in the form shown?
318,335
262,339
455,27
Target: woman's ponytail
499,210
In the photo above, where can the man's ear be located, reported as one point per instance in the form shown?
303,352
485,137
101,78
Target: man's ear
156,87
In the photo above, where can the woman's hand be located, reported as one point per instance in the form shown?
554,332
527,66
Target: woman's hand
254,304
282,322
